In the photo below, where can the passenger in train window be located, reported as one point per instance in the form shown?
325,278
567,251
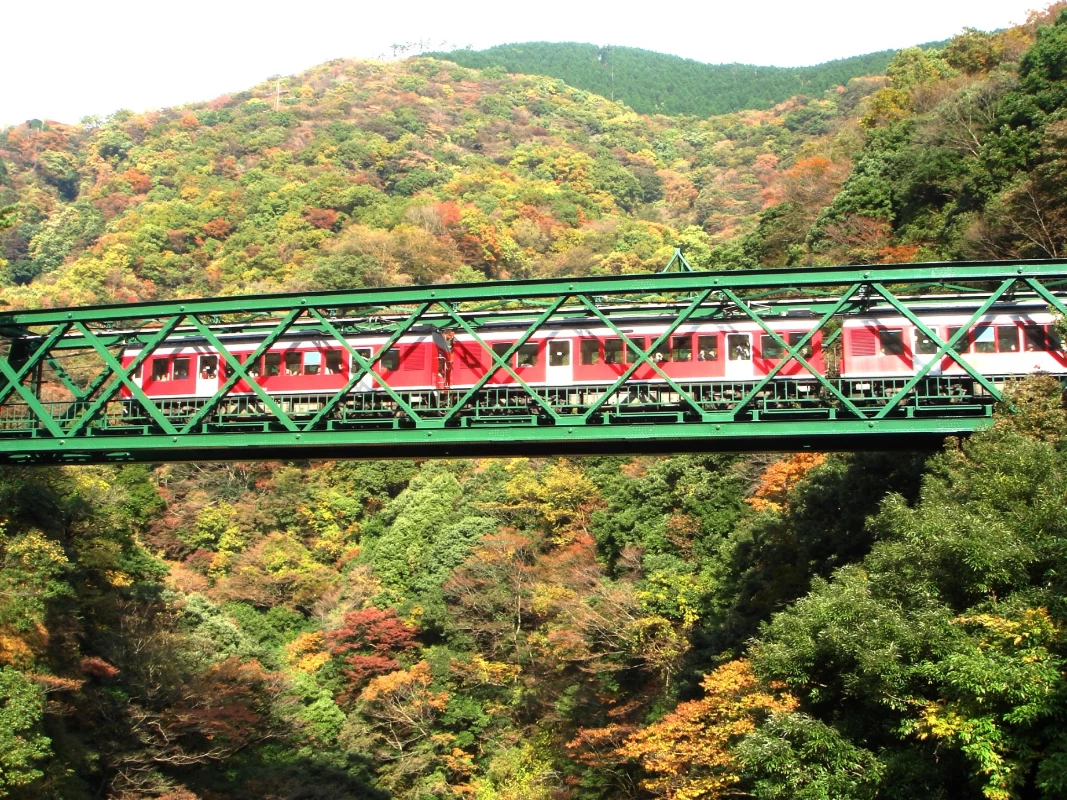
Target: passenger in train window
209,366
613,351
292,363
527,356
658,357
1034,337
333,360
739,347
708,348
1007,339
160,369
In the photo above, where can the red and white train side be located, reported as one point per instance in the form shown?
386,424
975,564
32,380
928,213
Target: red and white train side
1001,343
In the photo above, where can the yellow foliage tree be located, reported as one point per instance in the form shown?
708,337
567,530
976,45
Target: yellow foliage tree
779,478
688,753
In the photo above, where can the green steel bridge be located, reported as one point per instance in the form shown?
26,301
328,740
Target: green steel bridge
66,397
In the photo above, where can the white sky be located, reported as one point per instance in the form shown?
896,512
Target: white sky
67,59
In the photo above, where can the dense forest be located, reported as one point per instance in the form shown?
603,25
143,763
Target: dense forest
656,83
801,627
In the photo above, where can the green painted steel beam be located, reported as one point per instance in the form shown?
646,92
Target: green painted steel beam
512,291
503,441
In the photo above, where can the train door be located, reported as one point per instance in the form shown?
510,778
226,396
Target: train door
559,371
367,383
207,374
739,356
924,351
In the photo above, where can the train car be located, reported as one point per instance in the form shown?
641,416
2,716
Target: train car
579,353
1001,343
290,367
561,356
592,356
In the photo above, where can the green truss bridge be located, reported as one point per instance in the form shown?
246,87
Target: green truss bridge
70,388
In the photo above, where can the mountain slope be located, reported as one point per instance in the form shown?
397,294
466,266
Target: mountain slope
652,82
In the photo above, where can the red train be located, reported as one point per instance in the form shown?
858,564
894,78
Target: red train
1010,341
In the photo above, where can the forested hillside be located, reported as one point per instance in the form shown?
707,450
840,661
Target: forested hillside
816,627
656,83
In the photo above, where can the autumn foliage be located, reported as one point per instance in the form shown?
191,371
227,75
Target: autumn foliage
772,492
368,641
688,753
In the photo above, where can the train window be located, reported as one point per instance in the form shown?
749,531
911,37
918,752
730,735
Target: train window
661,353
984,339
527,356
891,342
293,363
559,353
209,367
272,364
633,350
769,348
333,360
160,369
136,374
964,344
252,367
794,339
613,351
1054,339
589,350
924,345
181,369
501,349
1034,338
1007,339
312,362
682,348
738,347
707,348
390,360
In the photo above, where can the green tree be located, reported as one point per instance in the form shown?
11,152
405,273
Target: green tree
22,745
